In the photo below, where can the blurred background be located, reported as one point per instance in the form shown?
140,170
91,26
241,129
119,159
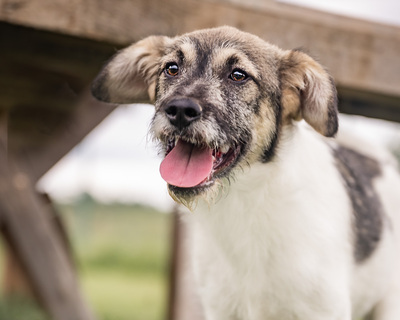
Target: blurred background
88,229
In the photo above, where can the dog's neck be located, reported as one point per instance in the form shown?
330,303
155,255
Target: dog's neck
263,227
298,147
265,195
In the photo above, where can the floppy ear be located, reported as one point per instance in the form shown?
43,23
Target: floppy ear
308,92
130,75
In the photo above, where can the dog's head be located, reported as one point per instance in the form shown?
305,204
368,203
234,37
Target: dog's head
221,97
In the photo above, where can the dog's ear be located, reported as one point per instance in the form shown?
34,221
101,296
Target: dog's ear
130,75
308,92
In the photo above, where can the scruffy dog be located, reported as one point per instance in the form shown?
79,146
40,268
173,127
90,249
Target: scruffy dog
288,223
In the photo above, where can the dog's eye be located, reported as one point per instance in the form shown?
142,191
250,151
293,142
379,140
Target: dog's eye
171,69
238,75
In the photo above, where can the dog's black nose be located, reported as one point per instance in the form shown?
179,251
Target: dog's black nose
182,112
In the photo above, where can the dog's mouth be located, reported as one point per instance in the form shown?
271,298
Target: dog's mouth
187,165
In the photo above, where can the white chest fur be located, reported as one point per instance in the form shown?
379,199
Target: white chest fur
276,245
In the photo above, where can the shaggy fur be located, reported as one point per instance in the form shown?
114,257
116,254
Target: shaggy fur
290,223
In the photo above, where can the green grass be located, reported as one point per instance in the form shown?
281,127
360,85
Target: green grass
122,255
120,296
19,308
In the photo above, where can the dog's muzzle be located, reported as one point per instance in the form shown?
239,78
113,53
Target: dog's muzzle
192,163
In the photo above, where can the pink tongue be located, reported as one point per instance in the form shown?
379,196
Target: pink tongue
186,165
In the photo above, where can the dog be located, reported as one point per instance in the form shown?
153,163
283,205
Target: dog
288,223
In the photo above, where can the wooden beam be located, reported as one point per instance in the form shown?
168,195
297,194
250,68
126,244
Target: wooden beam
369,104
38,246
16,282
361,55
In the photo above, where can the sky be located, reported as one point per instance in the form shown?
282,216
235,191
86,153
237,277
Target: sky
117,161
383,11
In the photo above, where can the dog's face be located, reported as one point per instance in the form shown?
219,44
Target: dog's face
222,97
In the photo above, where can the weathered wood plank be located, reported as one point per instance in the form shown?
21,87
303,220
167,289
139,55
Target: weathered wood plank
369,104
360,55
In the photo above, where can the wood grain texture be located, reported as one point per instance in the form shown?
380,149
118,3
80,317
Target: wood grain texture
44,79
360,55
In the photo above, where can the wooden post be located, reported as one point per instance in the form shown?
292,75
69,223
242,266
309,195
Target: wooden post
15,278
184,302
38,245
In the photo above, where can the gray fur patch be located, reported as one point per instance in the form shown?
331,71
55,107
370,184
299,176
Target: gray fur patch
332,125
358,172
99,89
